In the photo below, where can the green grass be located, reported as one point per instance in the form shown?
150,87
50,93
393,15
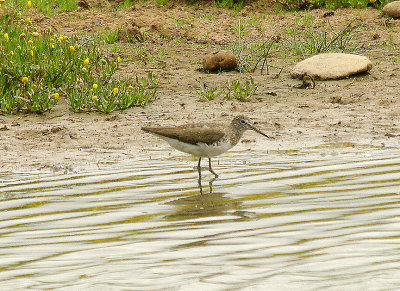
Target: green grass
208,93
156,57
235,5
115,94
303,38
37,68
241,91
56,6
124,5
236,89
330,4
46,7
108,36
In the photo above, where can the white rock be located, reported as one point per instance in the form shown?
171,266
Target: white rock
392,9
332,66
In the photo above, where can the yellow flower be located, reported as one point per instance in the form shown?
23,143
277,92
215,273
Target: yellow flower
30,41
130,87
118,59
35,34
34,48
55,96
52,46
115,90
28,20
86,62
71,49
29,4
61,38
25,80
6,36
32,53
95,86
372,1
95,98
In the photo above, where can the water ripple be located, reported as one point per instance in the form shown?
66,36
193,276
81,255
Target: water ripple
272,221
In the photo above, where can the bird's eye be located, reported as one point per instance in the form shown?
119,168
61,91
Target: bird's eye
242,121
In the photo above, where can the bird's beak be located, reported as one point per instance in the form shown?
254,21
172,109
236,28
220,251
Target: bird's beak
257,130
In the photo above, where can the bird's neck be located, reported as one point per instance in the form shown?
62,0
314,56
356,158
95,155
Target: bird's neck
235,135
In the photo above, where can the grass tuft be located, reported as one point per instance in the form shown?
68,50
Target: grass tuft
241,91
207,93
330,4
36,68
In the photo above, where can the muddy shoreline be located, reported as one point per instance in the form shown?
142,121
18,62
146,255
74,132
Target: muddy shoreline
358,112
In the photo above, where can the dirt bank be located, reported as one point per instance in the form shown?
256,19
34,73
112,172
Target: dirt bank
360,112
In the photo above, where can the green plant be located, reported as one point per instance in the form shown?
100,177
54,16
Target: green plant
146,57
315,40
38,67
210,15
94,91
208,93
253,55
30,75
179,23
107,36
44,6
236,5
124,5
330,4
161,2
303,38
241,91
143,92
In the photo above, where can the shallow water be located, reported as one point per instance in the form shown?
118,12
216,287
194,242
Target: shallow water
277,221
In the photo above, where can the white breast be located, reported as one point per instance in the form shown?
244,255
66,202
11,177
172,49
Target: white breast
200,149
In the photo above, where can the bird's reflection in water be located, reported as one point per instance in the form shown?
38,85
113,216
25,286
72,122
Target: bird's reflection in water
203,203
210,184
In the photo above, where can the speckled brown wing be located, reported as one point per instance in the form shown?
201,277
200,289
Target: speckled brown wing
189,134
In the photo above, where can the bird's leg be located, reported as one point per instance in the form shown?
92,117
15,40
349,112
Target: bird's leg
199,180
199,167
200,186
210,168
211,183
